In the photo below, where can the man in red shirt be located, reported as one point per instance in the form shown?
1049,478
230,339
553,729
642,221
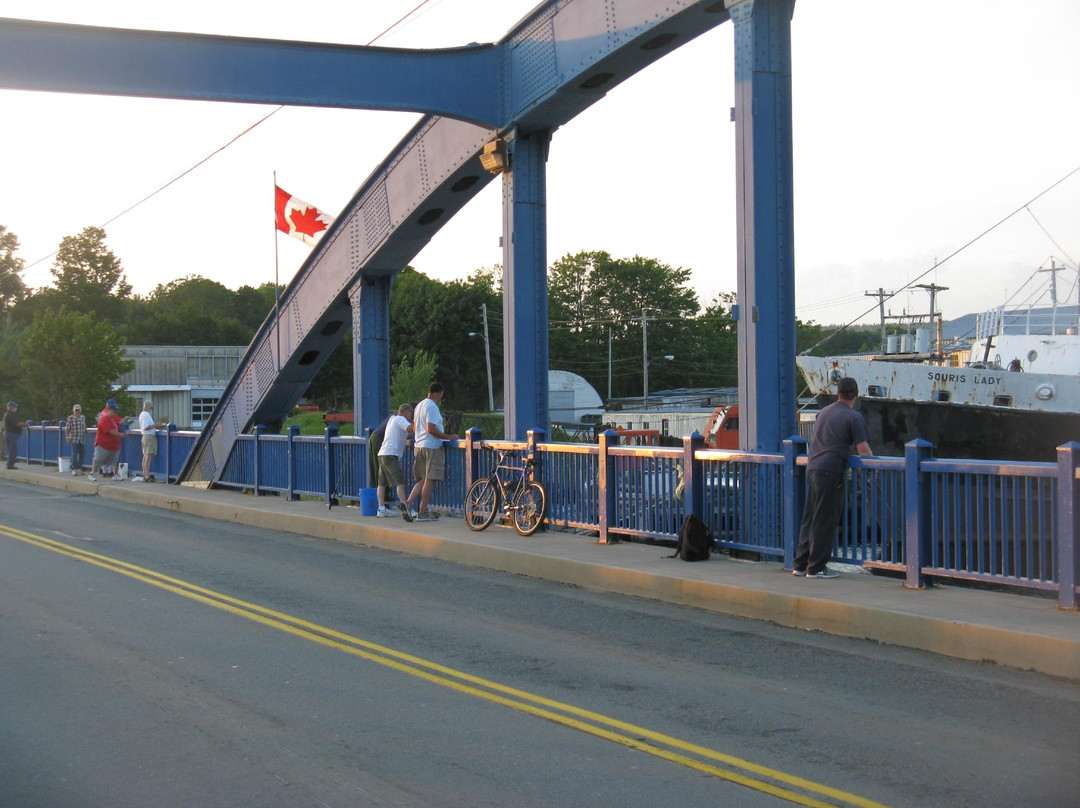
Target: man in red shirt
107,440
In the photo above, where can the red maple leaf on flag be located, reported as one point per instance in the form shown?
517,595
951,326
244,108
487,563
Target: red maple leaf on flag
307,221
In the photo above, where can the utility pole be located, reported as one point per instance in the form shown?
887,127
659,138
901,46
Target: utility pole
644,359
487,357
933,289
882,296
609,363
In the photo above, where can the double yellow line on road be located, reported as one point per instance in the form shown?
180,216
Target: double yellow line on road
708,761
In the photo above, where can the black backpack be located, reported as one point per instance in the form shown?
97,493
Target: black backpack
695,542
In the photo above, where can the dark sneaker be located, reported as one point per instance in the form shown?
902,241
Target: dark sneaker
824,572
426,516
406,514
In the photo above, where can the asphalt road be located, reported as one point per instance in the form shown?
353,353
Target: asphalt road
151,659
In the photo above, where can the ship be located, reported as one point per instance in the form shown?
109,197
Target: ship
1011,393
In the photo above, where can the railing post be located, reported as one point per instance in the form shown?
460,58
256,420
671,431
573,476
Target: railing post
44,424
534,437
794,494
170,428
1068,523
330,433
290,458
693,476
258,432
26,434
606,485
916,512
473,436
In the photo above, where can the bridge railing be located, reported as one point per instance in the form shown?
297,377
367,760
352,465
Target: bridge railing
925,518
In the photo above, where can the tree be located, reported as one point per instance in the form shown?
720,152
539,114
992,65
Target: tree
436,317
69,357
714,353
89,277
12,288
592,295
410,378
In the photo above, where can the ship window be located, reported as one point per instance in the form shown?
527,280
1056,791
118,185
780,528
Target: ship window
875,391
1033,355
942,395
1002,401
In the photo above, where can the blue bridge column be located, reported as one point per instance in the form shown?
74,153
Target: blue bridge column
765,222
370,300
525,309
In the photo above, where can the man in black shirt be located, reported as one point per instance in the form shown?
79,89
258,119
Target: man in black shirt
839,432
13,428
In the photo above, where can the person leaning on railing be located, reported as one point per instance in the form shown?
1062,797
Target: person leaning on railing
13,428
838,432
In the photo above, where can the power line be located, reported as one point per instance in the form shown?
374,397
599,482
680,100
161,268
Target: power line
275,111
937,264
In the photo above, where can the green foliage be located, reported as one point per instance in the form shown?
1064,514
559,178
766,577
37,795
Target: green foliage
332,386
89,278
411,376
12,288
312,423
426,315
197,311
69,357
597,302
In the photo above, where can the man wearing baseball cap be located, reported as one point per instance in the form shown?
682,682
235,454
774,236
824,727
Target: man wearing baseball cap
75,433
13,428
107,440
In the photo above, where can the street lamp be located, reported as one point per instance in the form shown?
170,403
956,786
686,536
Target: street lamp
645,396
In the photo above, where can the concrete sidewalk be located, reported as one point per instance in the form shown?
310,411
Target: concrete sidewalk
1008,629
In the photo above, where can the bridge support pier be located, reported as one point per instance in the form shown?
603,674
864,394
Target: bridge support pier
370,299
525,308
765,222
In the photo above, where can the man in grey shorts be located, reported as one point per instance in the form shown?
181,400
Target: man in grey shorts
395,438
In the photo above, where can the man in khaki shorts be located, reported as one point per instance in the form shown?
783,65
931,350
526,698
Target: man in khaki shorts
430,460
395,438
149,427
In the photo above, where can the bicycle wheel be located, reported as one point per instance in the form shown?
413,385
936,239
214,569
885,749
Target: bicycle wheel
530,509
481,504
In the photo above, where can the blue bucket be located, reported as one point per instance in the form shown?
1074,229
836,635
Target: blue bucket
369,501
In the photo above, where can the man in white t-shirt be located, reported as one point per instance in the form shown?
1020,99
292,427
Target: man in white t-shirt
430,460
395,437
149,427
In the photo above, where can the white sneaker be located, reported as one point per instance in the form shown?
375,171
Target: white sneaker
137,480
91,478
384,513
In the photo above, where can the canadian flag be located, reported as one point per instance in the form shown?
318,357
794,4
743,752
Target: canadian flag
299,219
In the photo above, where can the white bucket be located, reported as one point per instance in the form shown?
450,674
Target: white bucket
65,465
121,471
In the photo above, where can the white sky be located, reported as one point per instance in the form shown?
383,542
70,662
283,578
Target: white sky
917,127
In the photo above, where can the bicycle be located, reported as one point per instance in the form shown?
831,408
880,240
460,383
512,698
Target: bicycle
524,500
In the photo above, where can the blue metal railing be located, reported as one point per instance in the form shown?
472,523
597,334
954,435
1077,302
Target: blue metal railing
1009,524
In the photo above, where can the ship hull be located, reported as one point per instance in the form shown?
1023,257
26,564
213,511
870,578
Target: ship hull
962,412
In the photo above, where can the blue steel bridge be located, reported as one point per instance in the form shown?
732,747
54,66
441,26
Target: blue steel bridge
490,111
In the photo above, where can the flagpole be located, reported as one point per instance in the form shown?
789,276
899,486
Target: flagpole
277,287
